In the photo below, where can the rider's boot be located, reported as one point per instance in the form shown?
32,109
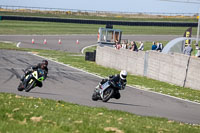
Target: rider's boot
117,95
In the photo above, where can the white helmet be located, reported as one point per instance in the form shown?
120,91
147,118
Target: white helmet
123,74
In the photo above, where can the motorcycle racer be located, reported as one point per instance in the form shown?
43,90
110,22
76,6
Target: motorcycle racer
29,70
119,81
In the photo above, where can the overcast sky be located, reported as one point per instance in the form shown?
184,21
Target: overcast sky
160,6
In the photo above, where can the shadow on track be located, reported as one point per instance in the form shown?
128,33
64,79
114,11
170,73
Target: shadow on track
43,93
126,104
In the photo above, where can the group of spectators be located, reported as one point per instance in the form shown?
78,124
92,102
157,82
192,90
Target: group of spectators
133,46
157,46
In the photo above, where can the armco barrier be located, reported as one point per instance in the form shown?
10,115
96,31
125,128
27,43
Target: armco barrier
177,69
103,22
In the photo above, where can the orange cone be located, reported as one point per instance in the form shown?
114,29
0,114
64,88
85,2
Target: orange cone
77,41
33,41
45,41
59,41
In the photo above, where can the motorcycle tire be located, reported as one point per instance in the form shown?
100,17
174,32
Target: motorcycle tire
107,94
94,96
30,86
19,88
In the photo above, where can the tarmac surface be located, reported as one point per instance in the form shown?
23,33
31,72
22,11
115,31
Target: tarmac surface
69,42
75,86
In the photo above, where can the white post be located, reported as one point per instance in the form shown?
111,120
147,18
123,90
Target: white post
197,39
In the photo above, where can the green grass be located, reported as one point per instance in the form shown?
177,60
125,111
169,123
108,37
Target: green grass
20,114
108,17
138,81
8,27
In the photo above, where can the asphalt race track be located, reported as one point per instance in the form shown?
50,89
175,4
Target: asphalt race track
69,42
72,85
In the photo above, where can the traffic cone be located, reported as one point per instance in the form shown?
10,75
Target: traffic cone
33,41
77,42
59,41
45,41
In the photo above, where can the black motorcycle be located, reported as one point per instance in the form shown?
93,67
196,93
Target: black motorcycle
105,91
34,77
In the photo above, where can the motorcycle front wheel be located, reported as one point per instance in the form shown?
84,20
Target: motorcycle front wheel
95,96
107,94
30,86
19,88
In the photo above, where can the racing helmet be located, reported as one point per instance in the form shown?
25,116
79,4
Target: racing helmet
123,74
45,63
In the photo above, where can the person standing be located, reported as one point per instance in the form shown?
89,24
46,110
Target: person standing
154,47
124,45
159,47
134,46
188,50
141,46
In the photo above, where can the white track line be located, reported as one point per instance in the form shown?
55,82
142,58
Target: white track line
6,41
104,77
18,44
87,47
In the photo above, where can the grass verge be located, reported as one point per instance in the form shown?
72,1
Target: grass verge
92,67
28,114
52,28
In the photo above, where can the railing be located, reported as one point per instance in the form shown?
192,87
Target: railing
25,8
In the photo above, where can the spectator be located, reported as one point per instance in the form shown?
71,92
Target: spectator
129,46
188,50
117,45
198,51
159,47
134,46
141,46
154,47
124,45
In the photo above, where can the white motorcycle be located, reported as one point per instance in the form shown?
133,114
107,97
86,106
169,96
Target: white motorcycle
105,91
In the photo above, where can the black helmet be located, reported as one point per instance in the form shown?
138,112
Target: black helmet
45,62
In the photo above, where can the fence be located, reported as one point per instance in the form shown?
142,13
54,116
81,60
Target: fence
139,22
102,22
177,69
100,13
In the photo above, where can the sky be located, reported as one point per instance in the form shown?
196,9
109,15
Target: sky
158,6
